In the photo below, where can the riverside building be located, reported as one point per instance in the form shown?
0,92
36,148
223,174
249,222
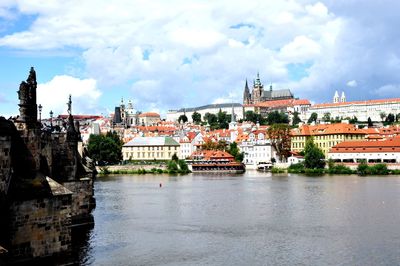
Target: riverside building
150,148
325,136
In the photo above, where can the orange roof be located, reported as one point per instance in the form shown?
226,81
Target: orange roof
283,103
212,154
149,114
368,102
326,129
390,145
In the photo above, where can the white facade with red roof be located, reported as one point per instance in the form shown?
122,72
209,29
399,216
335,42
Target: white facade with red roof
382,151
360,109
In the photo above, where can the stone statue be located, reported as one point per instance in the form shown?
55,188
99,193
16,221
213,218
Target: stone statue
23,92
32,77
69,103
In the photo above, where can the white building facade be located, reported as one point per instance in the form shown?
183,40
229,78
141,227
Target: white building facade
382,151
257,149
363,110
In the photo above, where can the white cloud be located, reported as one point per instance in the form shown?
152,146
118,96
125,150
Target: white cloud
389,90
352,83
318,10
54,94
186,53
300,49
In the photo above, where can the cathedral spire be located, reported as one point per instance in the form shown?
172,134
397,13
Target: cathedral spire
233,118
246,94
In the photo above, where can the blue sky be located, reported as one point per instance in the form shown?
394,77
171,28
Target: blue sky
171,54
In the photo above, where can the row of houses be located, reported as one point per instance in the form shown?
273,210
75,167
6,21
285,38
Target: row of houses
340,142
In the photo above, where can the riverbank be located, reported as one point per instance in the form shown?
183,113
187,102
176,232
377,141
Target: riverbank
361,169
147,168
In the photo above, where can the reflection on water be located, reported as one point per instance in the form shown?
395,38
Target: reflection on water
250,219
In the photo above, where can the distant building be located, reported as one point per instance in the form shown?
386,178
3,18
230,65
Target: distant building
288,106
258,94
149,119
257,149
173,115
125,116
150,148
325,136
362,110
381,151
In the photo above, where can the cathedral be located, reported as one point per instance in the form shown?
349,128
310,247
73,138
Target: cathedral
258,93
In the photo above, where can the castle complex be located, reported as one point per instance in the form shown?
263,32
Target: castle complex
258,94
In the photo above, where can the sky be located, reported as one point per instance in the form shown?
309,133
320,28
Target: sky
172,54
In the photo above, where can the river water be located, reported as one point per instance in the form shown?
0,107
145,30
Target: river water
250,219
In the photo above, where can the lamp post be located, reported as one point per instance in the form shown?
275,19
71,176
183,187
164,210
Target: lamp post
40,112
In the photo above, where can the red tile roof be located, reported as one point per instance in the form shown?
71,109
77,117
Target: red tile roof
212,155
390,145
149,114
283,103
326,129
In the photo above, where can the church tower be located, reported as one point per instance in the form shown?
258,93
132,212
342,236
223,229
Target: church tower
343,98
258,89
336,97
246,94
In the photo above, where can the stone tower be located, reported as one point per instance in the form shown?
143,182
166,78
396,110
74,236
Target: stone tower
258,89
27,100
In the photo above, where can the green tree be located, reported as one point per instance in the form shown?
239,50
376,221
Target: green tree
172,167
296,119
105,149
251,116
212,120
221,145
382,115
313,118
222,119
183,167
370,124
279,134
390,119
277,117
174,157
235,152
314,157
353,120
196,117
326,117
183,118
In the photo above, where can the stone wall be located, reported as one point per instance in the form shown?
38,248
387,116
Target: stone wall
5,164
82,200
40,227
